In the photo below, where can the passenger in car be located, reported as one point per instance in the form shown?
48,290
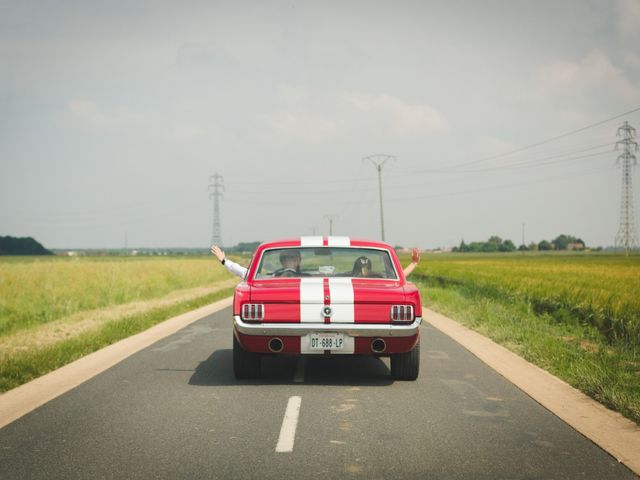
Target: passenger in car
361,267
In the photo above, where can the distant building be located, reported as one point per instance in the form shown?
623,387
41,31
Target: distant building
575,246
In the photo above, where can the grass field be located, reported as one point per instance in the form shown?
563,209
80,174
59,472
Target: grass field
577,316
54,310
38,290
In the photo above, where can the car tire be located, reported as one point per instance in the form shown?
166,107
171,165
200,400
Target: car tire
406,366
245,364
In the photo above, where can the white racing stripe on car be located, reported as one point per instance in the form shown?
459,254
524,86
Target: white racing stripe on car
289,425
341,291
311,300
338,241
310,241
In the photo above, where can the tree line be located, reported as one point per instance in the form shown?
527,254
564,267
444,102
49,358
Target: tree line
497,244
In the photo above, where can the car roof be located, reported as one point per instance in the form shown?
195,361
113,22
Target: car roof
322,241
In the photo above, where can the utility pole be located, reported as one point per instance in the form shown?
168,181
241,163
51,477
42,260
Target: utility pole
331,218
215,187
627,237
378,160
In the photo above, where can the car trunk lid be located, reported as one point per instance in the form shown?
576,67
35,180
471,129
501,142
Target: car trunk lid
327,300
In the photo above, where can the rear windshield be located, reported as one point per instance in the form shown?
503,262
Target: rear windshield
326,262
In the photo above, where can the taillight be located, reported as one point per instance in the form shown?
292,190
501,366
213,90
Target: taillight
402,313
253,312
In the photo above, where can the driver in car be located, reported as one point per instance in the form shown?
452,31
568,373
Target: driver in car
290,260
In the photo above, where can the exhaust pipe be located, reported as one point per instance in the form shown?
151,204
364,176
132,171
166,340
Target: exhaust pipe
378,345
276,345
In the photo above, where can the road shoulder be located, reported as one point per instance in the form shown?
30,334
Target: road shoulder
611,431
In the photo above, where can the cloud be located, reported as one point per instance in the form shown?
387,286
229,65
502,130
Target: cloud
312,117
595,75
91,115
123,119
402,117
285,127
87,112
628,18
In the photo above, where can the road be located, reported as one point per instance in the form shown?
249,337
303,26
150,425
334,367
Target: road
174,410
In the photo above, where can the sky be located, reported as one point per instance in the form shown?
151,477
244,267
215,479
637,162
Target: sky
499,118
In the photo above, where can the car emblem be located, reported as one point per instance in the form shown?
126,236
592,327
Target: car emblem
326,311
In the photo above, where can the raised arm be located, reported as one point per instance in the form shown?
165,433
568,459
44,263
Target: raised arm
415,259
228,264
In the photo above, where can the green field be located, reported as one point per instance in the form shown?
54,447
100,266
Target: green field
601,290
576,315
37,290
54,310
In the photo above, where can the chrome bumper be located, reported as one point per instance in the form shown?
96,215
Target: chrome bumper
352,329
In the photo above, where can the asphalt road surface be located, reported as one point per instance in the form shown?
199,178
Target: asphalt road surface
175,411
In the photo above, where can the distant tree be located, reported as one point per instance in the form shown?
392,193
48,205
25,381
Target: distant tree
496,240
545,245
21,246
533,246
490,246
507,246
523,248
476,246
463,247
562,242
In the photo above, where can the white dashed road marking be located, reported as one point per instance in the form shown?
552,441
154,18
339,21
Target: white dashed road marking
289,425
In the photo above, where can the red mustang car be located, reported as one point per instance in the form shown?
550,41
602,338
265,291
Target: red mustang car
326,296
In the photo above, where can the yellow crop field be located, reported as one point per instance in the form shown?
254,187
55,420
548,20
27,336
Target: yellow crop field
54,310
599,289
38,290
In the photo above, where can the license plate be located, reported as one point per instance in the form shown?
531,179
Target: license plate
326,341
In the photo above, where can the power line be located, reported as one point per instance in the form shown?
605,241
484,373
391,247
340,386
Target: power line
325,202
524,162
451,167
548,140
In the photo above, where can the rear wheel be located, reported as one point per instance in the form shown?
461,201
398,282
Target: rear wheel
245,364
406,366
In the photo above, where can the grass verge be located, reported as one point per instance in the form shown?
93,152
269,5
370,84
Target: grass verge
557,342
26,366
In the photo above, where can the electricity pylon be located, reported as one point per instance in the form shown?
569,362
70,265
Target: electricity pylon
627,237
215,183
378,161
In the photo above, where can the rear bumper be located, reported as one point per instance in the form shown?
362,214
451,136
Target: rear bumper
351,329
